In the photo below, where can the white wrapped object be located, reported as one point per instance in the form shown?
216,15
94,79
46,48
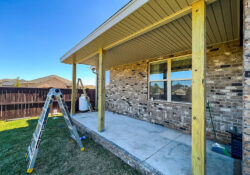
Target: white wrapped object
83,103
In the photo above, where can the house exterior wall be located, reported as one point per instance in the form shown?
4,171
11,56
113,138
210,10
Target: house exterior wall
246,89
127,93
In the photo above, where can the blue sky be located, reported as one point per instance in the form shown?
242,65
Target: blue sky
34,34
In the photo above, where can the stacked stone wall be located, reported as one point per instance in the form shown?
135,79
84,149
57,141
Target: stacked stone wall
246,89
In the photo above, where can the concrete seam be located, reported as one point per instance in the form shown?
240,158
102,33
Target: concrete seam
160,149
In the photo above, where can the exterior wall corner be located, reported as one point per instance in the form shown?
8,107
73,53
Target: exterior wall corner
246,89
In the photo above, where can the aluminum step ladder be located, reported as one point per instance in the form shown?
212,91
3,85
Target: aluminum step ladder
79,82
37,135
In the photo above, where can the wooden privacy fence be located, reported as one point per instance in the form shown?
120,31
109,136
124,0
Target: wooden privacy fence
28,102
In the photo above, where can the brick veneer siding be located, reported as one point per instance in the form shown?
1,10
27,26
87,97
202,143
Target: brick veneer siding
246,89
128,93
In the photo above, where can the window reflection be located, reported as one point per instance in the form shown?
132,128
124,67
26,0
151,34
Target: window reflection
181,90
181,69
180,87
158,71
158,90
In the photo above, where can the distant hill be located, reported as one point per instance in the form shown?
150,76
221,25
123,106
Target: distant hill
10,82
48,81
43,82
89,87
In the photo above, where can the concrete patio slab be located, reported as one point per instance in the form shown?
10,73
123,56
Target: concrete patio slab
150,148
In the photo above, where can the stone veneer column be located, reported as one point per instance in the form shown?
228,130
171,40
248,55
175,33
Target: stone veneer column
246,89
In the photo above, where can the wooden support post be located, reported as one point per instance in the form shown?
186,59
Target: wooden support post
73,95
101,91
198,88
169,82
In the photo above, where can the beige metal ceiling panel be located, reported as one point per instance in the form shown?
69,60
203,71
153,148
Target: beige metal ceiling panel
211,21
146,14
226,12
173,36
183,3
235,6
216,8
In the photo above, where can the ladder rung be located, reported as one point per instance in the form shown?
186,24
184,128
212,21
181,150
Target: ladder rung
40,122
59,95
29,152
67,120
35,136
66,117
70,127
45,109
73,137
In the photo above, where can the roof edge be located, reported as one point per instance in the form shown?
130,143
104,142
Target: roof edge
117,17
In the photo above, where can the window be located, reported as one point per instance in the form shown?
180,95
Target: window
171,80
107,77
158,90
158,80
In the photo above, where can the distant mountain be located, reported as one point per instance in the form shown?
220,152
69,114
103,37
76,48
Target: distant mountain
89,86
10,82
48,81
43,82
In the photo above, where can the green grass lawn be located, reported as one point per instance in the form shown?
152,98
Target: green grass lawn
57,154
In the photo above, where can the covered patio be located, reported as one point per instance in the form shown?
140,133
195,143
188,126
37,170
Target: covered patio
150,148
165,30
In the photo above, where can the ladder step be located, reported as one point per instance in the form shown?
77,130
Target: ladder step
45,109
73,137
40,122
29,152
35,136
67,120
70,128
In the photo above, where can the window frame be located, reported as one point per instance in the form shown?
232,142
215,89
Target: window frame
169,80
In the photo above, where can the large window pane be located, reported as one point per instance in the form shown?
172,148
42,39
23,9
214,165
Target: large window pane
158,71
158,90
181,90
181,69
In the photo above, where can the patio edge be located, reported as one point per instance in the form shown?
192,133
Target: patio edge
125,156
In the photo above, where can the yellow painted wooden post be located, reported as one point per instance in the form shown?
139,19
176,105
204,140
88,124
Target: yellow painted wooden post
169,78
101,91
73,95
198,88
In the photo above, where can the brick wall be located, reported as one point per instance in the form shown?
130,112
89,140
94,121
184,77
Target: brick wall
246,89
128,93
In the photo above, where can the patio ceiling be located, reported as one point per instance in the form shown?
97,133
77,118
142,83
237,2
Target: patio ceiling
151,28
